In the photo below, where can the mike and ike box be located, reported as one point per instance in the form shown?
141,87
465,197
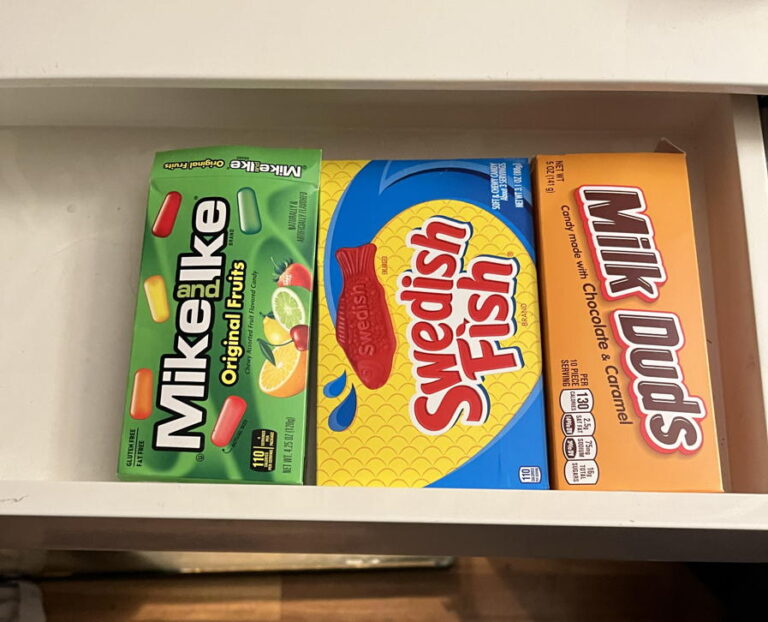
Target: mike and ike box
219,363
429,357
629,397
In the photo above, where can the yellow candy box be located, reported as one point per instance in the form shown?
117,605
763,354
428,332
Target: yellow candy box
429,355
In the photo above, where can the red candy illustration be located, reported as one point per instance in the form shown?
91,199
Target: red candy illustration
363,325
230,416
166,217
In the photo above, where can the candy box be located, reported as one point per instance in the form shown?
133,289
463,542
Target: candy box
429,360
629,398
218,370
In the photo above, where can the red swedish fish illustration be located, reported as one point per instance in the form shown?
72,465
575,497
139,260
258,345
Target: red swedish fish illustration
363,324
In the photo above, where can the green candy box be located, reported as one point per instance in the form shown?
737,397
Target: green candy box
217,390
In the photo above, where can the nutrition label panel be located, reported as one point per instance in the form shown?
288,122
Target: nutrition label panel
579,446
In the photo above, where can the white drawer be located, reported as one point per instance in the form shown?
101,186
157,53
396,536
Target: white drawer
653,45
74,166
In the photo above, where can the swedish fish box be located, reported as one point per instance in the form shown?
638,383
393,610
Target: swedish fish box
630,404
218,371
429,354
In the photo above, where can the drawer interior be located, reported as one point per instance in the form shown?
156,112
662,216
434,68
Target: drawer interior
74,169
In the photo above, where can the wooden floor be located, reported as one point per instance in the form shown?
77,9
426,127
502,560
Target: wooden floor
473,589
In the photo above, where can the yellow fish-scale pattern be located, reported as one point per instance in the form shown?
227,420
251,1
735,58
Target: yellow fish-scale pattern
382,447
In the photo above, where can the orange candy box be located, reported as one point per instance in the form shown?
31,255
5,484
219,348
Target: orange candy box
628,389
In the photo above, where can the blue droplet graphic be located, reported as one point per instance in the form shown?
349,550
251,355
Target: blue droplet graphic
335,387
344,414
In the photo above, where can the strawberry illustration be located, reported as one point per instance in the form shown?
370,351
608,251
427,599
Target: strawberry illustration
290,273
